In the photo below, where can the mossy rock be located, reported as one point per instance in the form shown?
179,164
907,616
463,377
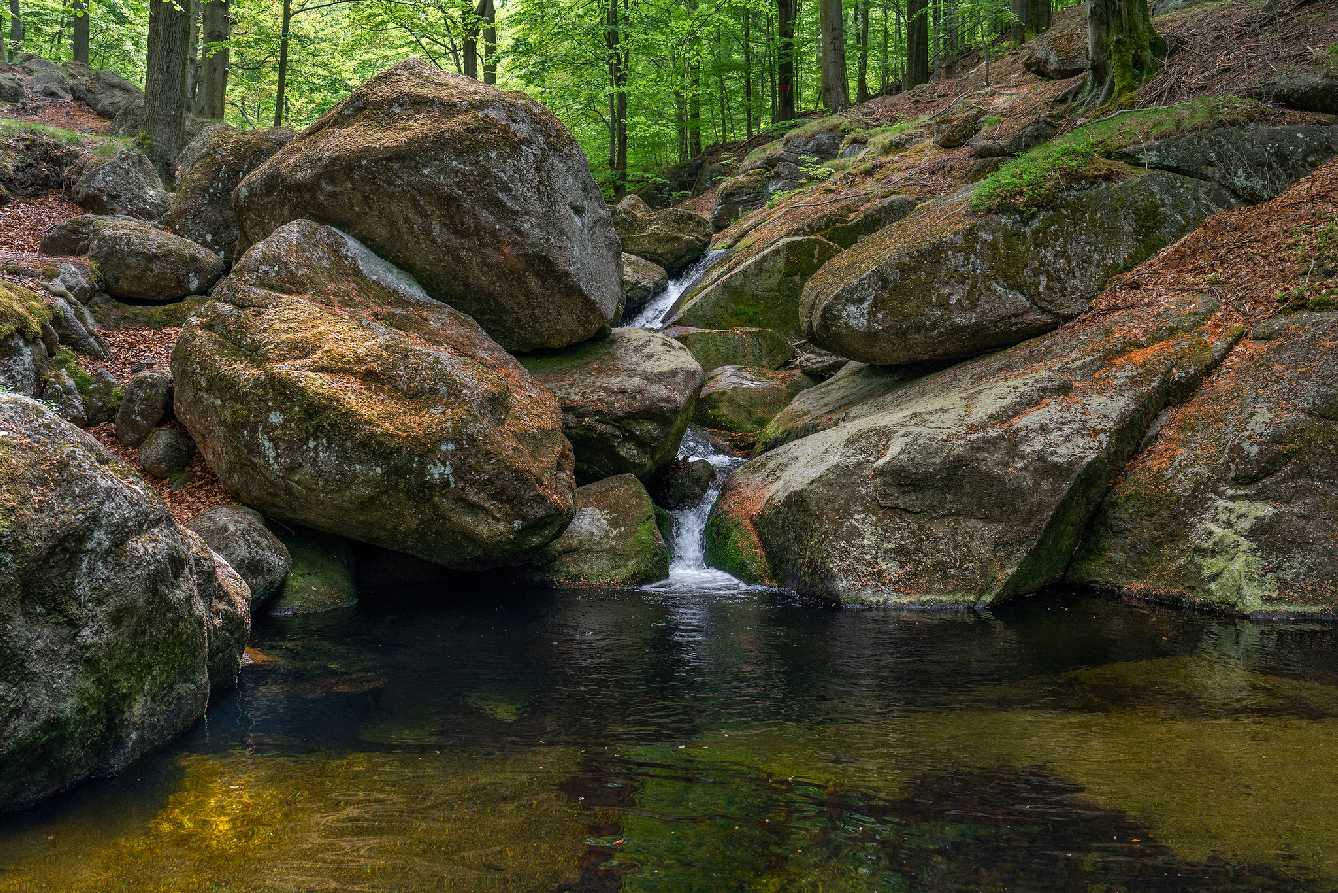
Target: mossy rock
713,348
22,312
742,400
847,395
614,539
320,575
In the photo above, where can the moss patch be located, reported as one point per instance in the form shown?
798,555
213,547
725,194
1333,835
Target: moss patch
22,311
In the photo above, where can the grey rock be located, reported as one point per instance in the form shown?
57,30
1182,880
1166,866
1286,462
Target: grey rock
612,540
642,280
137,261
671,238
123,184
682,483
850,394
166,452
146,401
241,536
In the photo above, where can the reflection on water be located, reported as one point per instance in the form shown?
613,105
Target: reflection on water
652,741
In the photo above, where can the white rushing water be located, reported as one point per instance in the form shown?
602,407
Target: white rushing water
688,570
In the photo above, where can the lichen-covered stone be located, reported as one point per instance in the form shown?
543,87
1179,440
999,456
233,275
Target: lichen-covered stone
671,238
1234,504
945,284
145,403
138,261
642,280
103,90
227,604
482,196
713,348
742,400
105,648
325,387
613,540
125,183
208,171
764,292
847,395
240,535
969,486
626,400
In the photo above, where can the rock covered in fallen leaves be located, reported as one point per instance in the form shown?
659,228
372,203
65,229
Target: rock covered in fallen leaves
613,540
626,400
325,387
482,196
241,536
208,171
110,627
125,183
138,261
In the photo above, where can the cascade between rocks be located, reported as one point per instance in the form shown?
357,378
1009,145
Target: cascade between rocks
688,569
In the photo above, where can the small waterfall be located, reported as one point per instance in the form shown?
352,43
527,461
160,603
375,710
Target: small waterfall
688,570
653,314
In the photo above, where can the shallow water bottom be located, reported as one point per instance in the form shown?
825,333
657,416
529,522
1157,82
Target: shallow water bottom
695,741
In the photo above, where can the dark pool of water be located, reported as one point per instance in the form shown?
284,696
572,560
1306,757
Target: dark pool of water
670,741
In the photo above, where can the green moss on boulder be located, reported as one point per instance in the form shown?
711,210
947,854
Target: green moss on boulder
614,539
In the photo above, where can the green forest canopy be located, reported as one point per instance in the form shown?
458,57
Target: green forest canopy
694,72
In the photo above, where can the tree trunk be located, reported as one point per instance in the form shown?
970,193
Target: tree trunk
469,25
1124,46
883,79
193,58
79,44
617,99
786,12
211,99
917,43
835,81
165,81
489,15
15,29
950,32
285,32
862,73
748,73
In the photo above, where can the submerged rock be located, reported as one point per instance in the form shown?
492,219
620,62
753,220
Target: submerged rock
626,400
208,171
239,534
763,292
642,280
125,183
110,628
742,400
324,386
672,237
613,540
713,348
482,196
138,261
1234,504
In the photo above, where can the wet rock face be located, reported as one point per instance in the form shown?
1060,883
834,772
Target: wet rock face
613,540
671,238
325,387
714,348
1234,504
682,483
208,171
482,196
942,284
125,184
626,400
105,635
642,280
969,486
138,261
240,535
742,400
763,292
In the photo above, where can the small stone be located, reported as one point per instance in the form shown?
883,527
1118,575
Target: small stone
143,406
165,452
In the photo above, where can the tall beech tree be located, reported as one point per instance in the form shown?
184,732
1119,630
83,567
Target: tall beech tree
917,43
165,80
835,81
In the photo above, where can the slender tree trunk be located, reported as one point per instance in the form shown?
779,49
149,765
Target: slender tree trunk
1125,49
950,34
617,99
748,73
862,73
285,32
211,99
489,15
193,58
165,81
79,43
771,70
835,81
469,21
882,50
15,29
917,43
936,55
786,12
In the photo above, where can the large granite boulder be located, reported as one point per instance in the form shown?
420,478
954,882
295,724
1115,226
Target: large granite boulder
970,486
1060,52
239,534
138,261
713,348
626,400
671,237
642,280
227,603
1234,505
208,171
124,184
104,91
325,387
482,196
612,540
763,292
849,394
111,626
742,400
945,284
